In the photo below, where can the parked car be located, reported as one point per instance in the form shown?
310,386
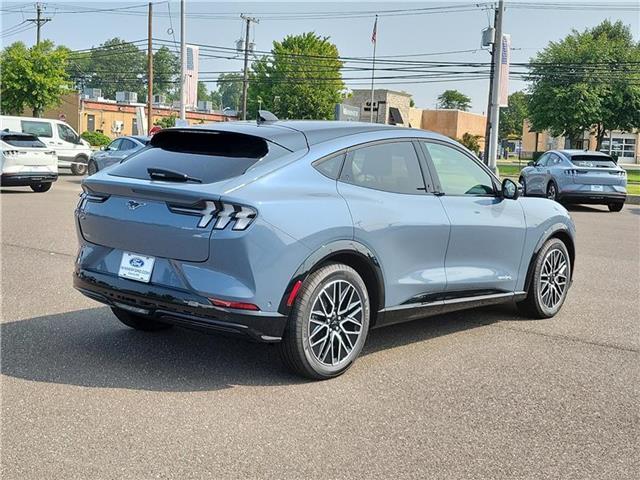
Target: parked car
576,176
26,162
72,151
116,152
309,233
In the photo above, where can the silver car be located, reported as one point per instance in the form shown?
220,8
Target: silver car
576,176
116,152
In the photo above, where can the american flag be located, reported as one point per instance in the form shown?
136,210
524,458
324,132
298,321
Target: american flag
191,72
505,59
375,31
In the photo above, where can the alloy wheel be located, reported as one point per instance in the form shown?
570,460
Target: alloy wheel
553,278
335,323
551,191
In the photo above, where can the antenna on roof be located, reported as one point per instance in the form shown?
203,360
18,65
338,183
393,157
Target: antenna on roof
266,116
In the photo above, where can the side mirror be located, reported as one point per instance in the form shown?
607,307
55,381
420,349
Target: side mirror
104,148
510,189
531,164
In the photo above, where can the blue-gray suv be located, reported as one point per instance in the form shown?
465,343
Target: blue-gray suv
576,176
310,233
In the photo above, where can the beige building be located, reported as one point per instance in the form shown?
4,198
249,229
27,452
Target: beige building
389,107
116,119
624,145
452,123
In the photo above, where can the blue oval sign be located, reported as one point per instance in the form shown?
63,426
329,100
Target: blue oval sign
136,262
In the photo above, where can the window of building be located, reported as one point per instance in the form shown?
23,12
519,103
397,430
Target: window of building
134,126
620,146
458,173
91,123
392,167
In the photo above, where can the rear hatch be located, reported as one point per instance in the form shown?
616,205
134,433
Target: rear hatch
27,151
597,170
154,203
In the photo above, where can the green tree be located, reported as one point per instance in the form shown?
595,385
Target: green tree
166,68
216,99
230,89
589,81
116,65
300,79
512,117
203,93
454,100
470,141
33,77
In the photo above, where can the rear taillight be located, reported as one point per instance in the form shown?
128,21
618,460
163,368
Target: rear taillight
90,197
570,171
236,305
10,153
224,213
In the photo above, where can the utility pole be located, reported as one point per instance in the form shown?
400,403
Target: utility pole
183,62
487,132
150,71
245,78
39,21
492,156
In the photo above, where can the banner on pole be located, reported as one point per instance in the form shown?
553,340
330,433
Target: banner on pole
505,59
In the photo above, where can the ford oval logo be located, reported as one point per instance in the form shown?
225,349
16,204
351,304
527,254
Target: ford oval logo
136,262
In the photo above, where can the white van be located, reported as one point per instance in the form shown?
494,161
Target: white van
73,152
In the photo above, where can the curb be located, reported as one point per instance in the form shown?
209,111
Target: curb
633,199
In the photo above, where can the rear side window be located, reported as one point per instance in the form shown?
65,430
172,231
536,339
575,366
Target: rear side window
592,161
39,129
330,167
23,141
392,167
208,156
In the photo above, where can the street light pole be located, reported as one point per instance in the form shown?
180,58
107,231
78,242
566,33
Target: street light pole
495,91
183,60
150,70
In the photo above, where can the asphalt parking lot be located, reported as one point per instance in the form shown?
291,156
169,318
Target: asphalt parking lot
480,394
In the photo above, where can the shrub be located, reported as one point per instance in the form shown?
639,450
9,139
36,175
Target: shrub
96,139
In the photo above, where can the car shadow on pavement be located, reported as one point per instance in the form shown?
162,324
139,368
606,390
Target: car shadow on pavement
91,348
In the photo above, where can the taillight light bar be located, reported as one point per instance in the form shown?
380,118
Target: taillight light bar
224,213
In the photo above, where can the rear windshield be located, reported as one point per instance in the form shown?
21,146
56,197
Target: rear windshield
23,141
203,155
592,161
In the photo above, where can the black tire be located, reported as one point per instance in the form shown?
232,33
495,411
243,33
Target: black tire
615,207
552,191
79,168
534,306
40,187
139,322
92,168
298,351
522,182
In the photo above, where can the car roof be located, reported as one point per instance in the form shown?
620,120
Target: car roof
297,134
140,138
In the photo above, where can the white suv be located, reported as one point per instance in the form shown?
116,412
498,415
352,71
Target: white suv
72,151
26,161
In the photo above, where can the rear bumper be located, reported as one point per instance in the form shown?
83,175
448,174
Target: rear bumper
593,197
178,307
26,179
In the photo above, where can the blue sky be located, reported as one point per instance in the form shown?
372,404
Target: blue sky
531,30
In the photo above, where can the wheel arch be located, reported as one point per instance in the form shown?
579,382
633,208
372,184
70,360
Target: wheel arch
348,252
561,232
